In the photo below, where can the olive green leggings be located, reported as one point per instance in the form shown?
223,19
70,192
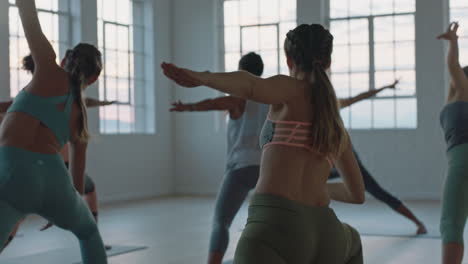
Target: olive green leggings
281,231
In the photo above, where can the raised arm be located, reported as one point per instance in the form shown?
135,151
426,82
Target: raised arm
458,77
41,50
365,95
352,188
275,90
224,103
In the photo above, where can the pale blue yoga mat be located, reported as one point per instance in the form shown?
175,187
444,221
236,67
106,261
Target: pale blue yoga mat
66,255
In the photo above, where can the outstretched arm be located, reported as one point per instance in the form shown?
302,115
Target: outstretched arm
366,95
275,90
41,50
457,74
224,103
91,102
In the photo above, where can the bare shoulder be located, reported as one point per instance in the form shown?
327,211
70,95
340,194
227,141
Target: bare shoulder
44,73
51,68
285,79
287,82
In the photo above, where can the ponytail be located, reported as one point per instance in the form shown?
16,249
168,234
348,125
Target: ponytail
77,84
329,135
82,63
310,47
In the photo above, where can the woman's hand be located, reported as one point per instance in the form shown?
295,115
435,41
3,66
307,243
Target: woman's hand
181,107
393,85
106,103
183,77
451,33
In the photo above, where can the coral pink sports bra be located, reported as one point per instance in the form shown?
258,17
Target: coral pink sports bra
288,133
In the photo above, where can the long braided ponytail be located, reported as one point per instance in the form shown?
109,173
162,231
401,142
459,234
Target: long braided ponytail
310,47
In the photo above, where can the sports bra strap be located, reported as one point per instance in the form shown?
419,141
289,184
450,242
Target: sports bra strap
45,109
290,133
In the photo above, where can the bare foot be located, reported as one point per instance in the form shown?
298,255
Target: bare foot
421,230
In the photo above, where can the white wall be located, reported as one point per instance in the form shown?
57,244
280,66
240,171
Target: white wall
200,137
137,166
409,163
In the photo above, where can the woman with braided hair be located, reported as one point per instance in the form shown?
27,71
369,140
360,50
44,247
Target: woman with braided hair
304,137
46,114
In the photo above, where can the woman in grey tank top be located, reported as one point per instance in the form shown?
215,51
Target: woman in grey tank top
246,120
454,122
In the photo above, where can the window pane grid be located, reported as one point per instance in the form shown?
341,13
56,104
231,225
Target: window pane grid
121,38
258,26
343,9
49,16
374,45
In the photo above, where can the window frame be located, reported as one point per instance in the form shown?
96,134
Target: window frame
139,68
63,42
240,26
370,19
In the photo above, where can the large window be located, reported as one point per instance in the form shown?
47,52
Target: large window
374,45
459,12
50,13
258,26
122,36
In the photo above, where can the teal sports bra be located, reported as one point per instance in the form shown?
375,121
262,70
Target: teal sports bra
45,109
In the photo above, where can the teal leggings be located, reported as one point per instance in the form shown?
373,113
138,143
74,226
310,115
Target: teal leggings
281,231
34,183
455,198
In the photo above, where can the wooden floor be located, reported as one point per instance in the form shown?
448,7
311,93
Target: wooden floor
176,231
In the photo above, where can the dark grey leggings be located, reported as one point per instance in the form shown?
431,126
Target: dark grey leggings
234,190
372,186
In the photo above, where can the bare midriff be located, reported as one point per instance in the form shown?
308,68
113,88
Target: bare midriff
294,173
26,132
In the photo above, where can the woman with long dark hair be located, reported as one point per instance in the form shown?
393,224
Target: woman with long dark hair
289,216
